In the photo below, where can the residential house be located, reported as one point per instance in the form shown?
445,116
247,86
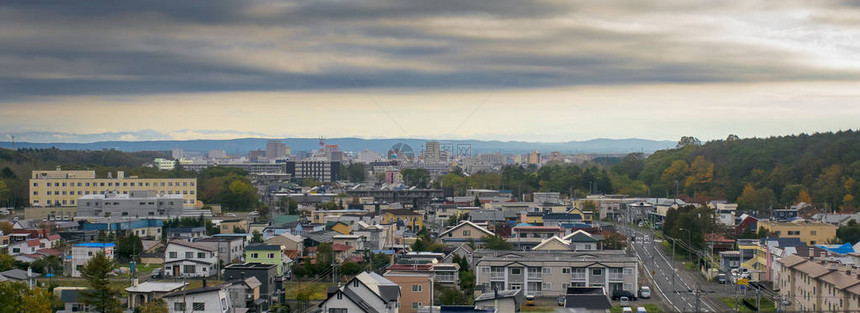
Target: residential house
554,243
187,259
500,300
21,276
445,274
463,251
414,289
408,218
338,226
73,299
271,285
550,273
288,241
234,226
245,293
349,240
208,299
463,233
230,249
375,237
366,292
530,236
581,240
268,254
83,252
140,294
186,233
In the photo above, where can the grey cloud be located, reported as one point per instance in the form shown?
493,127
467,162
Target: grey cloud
143,47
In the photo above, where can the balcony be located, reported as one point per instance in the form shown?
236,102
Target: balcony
616,277
578,276
497,276
535,276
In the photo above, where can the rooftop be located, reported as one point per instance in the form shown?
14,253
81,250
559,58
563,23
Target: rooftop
157,286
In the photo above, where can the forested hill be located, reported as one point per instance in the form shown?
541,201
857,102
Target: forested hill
759,173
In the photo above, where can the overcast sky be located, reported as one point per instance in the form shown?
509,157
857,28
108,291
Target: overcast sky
448,69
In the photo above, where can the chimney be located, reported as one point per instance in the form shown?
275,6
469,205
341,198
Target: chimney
120,174
823,256
811,253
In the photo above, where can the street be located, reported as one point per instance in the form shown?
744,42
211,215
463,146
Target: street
674,284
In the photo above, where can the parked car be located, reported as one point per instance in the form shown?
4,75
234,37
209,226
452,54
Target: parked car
625,302
641,310
157,273
530,300
560,300
721,278
618,294
645,292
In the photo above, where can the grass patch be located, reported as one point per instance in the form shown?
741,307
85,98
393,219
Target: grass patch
316,290
766,304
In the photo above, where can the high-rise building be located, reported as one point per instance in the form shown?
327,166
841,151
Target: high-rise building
367,156
217,154
276,149
534,158
431,152
177,153
555,156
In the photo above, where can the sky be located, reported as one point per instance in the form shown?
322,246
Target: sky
550,70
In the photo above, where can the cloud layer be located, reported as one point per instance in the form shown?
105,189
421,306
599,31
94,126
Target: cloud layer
159,46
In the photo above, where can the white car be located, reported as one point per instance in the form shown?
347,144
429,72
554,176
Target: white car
645,292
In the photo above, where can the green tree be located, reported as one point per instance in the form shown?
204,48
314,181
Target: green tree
256,237
688,141
496,242
7,262
101,296
452,296
849,233
351,268
242,196
17,298
418,177
128,247
6,227
357,172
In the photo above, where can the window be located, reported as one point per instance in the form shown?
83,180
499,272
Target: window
416,288
564,286
565,270
271,255
189,255
172,255
813,233
179,306
546,286
189,269
516,286
628,271
254,255
201,255
198,306
516,271
416,305
547,270
337,311
467,233
485,269
596,272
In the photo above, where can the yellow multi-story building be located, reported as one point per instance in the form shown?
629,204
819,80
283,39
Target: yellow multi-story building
410,219
63,188
810,233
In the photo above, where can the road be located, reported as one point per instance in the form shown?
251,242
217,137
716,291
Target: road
675,285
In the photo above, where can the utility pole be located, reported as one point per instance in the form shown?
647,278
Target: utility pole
758,299
698,296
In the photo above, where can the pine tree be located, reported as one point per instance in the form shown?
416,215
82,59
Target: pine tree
100,295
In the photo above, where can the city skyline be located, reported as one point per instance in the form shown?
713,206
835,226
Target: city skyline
543,71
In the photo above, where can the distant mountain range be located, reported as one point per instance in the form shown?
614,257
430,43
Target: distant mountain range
243,145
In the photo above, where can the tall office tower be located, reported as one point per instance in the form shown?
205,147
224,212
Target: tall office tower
431,152
275,149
